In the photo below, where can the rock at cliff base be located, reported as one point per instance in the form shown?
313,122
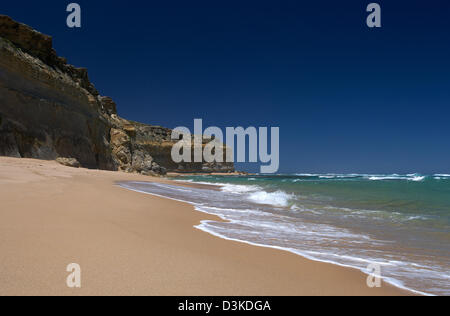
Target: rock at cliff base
69,162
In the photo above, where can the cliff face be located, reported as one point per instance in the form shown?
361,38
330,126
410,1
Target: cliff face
50,109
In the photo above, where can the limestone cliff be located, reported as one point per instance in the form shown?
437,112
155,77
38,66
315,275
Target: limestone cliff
50,109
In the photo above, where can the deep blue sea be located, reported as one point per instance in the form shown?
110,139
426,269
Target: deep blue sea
401,222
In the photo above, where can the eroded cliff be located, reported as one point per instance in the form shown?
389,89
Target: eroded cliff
50,109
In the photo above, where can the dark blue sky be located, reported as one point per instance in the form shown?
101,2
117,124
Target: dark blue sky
346,98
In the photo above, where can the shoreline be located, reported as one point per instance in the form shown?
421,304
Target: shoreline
137,244
391,282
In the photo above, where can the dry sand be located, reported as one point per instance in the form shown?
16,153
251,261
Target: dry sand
129,243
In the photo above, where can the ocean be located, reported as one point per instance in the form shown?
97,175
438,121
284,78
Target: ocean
401,222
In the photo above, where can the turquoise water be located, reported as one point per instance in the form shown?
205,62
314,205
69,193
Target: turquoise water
401,222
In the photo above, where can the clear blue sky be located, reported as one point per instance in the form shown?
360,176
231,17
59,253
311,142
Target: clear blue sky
346,98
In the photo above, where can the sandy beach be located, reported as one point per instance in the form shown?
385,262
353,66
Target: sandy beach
129,243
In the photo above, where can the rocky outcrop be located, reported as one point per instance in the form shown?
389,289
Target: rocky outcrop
68,162
157,140
49,109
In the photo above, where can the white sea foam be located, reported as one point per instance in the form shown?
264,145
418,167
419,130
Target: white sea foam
278,198
307,174
256,194
239,189
199,182
410,177
414,218
379,178
329,175
442,177
372,177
